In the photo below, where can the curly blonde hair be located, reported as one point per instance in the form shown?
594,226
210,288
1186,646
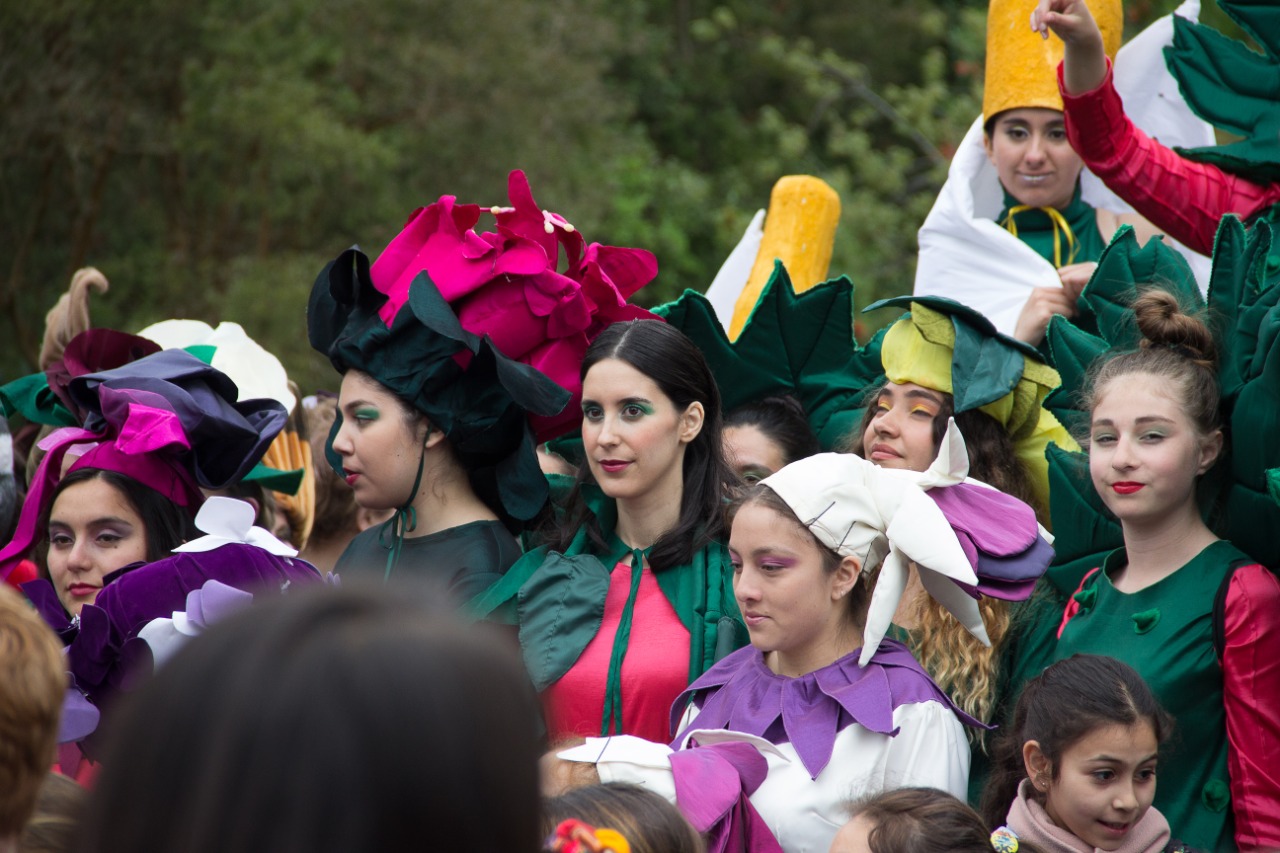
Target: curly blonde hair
965,669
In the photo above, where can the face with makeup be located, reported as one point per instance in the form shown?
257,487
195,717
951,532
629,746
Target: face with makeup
752,454
380,442
1035,162
791,591
1103,783
1145,454
901,431
633,435
94,529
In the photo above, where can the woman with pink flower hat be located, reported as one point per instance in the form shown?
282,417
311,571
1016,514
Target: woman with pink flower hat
459,352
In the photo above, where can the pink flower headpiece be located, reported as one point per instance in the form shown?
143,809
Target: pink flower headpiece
511,284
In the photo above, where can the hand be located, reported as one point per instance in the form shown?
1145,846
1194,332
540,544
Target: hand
1074,277
1041,305
1084,57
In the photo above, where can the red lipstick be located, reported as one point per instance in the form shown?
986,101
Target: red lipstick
1126,488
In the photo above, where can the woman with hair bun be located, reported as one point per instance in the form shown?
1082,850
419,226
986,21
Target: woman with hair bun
1197,617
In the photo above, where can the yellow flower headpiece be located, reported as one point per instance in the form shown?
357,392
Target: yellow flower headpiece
921,348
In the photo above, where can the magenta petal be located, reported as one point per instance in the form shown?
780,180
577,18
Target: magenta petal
400,252
501,311
627,270
474,246
546,290
521,257
570,317
148,429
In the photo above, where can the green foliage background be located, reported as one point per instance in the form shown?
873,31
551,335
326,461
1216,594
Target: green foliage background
210,156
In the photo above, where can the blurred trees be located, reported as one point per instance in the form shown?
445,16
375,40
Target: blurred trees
211,156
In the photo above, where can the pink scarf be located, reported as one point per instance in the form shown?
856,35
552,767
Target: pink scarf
1029,820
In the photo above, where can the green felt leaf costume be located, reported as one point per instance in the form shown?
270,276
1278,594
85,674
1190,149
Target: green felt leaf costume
1234,87
799,344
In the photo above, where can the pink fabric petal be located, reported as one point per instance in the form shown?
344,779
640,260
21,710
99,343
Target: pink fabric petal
503,313
147,429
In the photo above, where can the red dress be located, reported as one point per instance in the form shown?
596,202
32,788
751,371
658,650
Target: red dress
654,672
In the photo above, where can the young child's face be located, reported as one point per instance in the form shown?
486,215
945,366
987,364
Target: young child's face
1104,784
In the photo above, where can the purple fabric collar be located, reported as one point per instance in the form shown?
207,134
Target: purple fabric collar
741,693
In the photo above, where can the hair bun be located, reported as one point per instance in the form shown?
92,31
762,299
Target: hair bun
1162,323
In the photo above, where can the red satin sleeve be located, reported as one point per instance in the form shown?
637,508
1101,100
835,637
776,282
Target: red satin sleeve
1251,694
1183,198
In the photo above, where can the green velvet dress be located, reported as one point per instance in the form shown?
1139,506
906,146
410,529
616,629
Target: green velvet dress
1165,632
466,559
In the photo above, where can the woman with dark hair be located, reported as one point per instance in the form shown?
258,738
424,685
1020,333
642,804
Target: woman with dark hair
448,449
641,551
762,437
459,353
348,720
101,520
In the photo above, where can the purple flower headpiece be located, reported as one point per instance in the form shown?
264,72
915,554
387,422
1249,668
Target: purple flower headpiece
169,421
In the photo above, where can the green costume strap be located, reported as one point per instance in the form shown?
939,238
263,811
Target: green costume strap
611,719
403,521
557,600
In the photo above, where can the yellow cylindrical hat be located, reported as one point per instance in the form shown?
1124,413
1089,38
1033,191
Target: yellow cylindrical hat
1022,66
800,230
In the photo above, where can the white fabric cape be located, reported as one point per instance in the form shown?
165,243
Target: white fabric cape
966,256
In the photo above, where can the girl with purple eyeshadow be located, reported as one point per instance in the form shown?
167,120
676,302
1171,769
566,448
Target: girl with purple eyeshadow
775,738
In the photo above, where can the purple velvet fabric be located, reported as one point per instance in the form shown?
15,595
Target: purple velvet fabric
741,693
1009,557
105,651
713,784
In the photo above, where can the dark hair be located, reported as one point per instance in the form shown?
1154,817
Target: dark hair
922,820
665,355
648,822
326,720
859,596
1059,707
54,824
336,508
167,525
1176,347
992,457
783,421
